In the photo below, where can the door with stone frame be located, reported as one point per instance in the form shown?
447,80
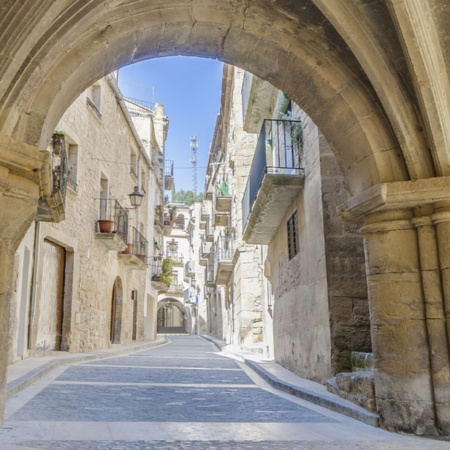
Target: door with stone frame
116,312
51,301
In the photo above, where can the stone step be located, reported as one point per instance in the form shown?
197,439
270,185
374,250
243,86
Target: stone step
357,387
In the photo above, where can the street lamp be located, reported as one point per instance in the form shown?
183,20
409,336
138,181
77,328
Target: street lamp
173,247
136,198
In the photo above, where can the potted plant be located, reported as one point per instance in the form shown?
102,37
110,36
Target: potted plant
57,141
106,225
166,275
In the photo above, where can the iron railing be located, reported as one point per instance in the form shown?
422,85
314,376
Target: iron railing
168,169
224,249
135,107
209,269
140,244
112,210
204,249
60,165
189,268
277,152
155,266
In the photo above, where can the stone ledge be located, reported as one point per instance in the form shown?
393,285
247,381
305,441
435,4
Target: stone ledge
327,400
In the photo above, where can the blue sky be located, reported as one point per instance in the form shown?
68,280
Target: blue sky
189,89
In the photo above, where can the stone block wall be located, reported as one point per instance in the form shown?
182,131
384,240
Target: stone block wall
345,265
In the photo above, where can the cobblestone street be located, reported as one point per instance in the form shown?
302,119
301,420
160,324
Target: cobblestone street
183,395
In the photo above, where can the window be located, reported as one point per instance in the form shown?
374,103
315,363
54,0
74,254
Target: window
133,164
292,232
144,181
72,167
94,99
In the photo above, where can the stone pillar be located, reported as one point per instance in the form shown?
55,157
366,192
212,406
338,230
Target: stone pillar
441,218
435,319
20,179
403,387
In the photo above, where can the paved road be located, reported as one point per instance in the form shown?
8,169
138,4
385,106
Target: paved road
183,395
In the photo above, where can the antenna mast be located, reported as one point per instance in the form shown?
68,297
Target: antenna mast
194,148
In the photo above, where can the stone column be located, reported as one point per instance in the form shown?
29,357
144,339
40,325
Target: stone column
441,218
435,320
20,178
403,387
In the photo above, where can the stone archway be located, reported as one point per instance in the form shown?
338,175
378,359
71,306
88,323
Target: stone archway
372,75
171,316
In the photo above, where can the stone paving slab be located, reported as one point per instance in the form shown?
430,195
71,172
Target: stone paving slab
104,403
230,445
22,373
153,375
149,361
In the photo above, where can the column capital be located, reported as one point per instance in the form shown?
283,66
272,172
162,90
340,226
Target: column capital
423,221
383,221
397,195
441,216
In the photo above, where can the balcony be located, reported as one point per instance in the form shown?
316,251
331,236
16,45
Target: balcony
208,195
276,178
209,232
223,199
223,262
210,280
221,219
205,212
51,206
189,269
112,225
204,251
176,290
135,254
158,221
155,264
168,175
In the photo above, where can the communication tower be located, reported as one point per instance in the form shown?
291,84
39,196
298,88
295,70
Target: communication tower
194,148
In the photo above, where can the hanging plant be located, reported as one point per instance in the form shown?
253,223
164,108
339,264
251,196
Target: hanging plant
166,275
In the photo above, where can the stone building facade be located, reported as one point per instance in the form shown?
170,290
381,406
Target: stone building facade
310,309
78,287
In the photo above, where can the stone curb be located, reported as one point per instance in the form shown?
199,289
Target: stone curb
330,401
15,386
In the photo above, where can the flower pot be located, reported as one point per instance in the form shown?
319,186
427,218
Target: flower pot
106,226
129,249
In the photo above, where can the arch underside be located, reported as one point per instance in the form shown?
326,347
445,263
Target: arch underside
53,51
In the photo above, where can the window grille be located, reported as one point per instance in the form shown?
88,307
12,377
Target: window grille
292,229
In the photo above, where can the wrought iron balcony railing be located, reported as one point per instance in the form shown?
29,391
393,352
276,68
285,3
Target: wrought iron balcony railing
113,218
140,244
277,160
224,249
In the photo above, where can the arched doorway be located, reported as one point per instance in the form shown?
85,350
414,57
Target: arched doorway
116,311
171,317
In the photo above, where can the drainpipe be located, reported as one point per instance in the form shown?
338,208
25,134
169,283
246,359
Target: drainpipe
36,252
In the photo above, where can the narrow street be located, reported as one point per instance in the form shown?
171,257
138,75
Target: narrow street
183,395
